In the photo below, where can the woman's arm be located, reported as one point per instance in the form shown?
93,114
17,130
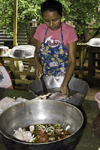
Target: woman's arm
71,66
38,70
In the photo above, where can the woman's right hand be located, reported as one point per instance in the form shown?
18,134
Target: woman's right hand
39,70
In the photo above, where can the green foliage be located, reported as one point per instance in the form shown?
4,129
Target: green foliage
27,10
84,16
6,14
81,12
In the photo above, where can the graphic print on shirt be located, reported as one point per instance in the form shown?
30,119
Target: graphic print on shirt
1,76
52,42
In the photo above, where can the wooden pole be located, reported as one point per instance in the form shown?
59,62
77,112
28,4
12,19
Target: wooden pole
15,23
15,29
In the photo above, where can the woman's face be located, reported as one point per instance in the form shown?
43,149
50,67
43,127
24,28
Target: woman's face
52,19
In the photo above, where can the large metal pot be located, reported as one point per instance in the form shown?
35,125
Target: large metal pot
41,111
77,88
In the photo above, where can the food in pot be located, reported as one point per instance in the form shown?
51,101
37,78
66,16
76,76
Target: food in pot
57,96
41,133
53,96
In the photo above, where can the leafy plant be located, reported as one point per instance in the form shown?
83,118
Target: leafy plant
85,17
82,13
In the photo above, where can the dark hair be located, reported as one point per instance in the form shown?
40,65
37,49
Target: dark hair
51,5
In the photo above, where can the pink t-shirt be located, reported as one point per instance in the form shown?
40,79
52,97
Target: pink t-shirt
53,38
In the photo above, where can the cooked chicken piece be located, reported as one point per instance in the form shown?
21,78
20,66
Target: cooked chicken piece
18,134
23,135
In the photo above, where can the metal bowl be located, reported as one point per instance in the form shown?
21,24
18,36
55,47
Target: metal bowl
77,88
22,51
41,112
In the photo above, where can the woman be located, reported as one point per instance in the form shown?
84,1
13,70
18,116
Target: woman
56,44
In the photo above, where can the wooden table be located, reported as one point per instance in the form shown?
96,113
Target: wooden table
80,49
16,71
93,61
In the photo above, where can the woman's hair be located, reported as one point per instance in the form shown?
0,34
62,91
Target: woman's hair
51,5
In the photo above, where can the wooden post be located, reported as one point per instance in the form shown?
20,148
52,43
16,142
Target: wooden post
15,23
15,28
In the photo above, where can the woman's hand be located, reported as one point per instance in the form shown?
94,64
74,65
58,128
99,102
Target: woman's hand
39,70
64,89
